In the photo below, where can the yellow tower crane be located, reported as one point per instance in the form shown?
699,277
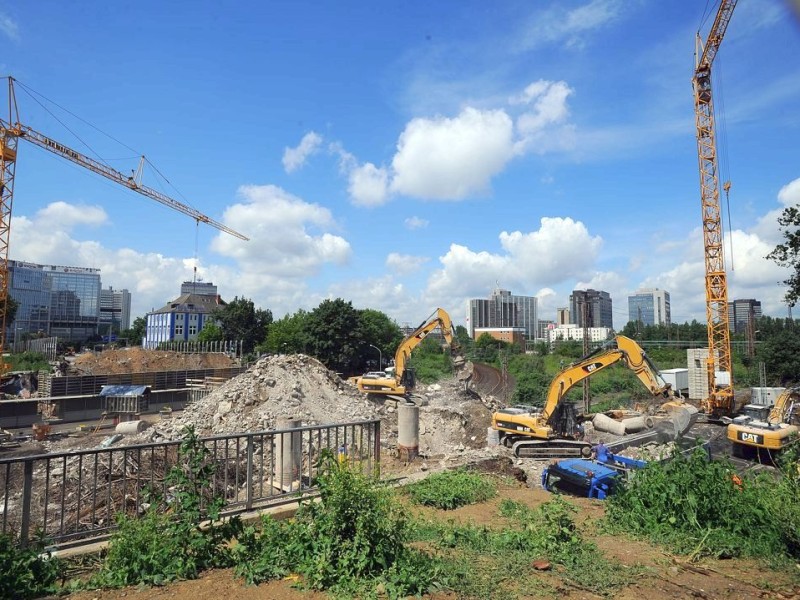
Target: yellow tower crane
719,401
11,132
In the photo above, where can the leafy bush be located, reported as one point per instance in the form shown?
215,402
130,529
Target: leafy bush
452,489
168,543
27,572
702,507
353,541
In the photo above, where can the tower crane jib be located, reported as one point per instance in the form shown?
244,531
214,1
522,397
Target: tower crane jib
11,132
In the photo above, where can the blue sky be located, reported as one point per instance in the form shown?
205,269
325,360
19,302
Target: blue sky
403,156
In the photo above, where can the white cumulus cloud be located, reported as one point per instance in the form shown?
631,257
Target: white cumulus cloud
288,236
404,264
531,260
452,158
368,185
295,158
416,223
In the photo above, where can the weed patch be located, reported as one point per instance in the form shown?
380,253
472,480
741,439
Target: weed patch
452,489
504,555
700,507
352,542
27,572
168,543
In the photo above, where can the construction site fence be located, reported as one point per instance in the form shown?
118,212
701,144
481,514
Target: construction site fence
45,346
233,348
88,385
73,498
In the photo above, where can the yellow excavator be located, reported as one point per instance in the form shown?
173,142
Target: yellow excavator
556,431
752,437
398,381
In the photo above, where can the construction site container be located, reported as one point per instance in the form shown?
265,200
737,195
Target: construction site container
677,378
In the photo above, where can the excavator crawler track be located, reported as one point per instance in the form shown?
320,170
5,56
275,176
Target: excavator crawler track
551,449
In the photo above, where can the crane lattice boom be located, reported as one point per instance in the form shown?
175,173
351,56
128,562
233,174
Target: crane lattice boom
719,399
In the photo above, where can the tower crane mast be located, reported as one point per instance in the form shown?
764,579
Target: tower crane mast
11,132
719,399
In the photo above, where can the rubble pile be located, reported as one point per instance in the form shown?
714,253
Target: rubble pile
281,386
452,420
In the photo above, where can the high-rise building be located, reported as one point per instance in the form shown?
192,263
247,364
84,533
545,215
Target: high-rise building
503,309
649,306
115,310
54,300
200,288
740,312
562,316
597,308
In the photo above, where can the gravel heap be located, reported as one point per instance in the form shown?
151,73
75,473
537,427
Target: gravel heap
452,420
281,386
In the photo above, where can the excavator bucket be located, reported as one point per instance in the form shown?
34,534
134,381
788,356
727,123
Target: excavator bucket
681,416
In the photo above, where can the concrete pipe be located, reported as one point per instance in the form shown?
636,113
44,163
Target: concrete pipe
130,427
408,431
607,424
288,451
634,424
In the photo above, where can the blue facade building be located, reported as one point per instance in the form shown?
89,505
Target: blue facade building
180,320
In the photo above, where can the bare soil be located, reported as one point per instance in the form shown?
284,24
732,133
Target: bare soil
663,576
139,360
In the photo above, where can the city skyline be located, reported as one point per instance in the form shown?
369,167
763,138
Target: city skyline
411,167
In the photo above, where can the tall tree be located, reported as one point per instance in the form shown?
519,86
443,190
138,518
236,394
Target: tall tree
787,254
332,331
287,335
241,320
135,334
378,330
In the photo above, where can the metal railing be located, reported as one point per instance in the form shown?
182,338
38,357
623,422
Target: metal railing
74,497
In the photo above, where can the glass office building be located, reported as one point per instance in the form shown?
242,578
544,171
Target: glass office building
649,307
54,300
503,309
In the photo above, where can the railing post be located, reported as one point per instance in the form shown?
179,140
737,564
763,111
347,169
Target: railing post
249,472
377,449
27,489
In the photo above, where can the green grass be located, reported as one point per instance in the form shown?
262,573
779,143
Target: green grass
452,489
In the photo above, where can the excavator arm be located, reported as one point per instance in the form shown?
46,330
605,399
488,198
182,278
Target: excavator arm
402,380
554,432
619,349
439,319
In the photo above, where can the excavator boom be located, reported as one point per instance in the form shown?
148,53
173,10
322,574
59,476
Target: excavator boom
553,431
402,380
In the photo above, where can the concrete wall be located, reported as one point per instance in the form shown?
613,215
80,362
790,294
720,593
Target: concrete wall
72,409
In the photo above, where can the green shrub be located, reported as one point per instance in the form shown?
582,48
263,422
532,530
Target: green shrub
27,572
702,507
168,543
352,542
452,489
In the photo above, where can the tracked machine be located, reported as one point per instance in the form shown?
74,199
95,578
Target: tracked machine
397,382
556,431
755,437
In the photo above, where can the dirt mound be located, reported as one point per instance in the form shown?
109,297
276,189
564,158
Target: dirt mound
300,387
139,360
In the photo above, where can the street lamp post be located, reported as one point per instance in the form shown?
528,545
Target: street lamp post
380,357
